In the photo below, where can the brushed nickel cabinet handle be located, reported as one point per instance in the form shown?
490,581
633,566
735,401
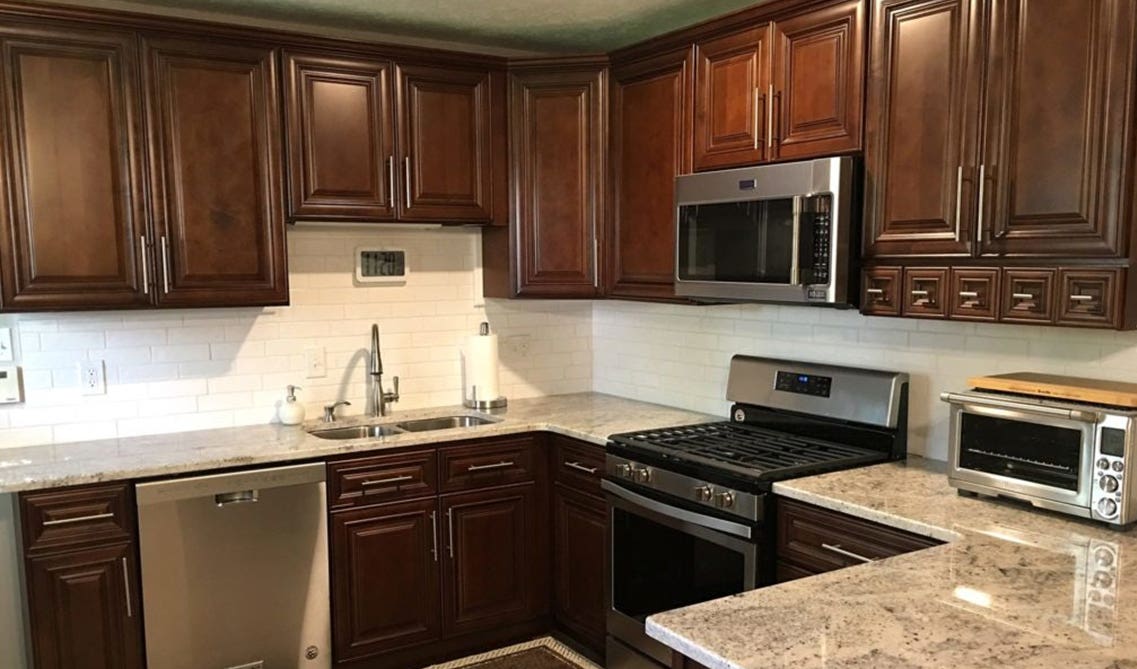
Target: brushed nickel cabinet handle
969,294
393,479
920,293
407,179
580,468
874,291
1081,298
165,265
1022,296
759,103
434,534
391,180
849,554
450,530
497,465
958,196
78,519
126,589
982,185
595,260
145,264
770,119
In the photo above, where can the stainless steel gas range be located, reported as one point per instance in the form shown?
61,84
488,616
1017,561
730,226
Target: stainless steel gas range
690,507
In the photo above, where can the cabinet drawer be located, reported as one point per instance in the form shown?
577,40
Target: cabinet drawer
487,464
818,540
881,296
577,464
382,478
1089,297
974,294
925,292
65,518
1028,296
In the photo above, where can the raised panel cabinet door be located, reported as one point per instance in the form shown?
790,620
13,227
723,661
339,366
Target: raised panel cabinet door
83,609
444,128
925,293
733,97
650,146
580,549
920,133
341,138
974,294
882,291
1055,172
213,122
1089,297
819,81
385,577
72,214
492,558
559,129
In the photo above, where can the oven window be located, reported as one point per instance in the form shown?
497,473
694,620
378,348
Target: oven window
1042,454
656,568
746,242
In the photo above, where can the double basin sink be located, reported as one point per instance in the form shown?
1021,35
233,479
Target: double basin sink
421,425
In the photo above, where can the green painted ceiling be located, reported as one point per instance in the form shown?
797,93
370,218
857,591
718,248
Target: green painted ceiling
537,25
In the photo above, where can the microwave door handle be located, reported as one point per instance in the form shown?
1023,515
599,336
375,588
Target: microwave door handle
1080,415
795,266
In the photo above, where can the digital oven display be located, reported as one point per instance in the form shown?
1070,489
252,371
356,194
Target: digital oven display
804,384
1112,442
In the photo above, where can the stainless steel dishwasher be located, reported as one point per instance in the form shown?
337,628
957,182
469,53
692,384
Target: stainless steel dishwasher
235,570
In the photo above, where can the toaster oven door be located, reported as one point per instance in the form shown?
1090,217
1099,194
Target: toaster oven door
1023,449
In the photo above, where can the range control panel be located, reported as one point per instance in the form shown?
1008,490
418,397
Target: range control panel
1109,487
804,384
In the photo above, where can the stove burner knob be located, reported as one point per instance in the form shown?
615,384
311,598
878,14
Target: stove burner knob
624,471
724,500
739,416
704,493
1109,484
641,475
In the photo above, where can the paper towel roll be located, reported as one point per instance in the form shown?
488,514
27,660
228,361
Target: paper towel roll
481,367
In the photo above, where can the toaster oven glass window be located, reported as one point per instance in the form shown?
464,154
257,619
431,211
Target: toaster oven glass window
745,242
1043,454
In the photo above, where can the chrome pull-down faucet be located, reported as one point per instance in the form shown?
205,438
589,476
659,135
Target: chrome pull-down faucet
378,399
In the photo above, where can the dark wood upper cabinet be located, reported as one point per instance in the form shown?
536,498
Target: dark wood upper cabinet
558,126
732,99
920,136
818,76
72,210
650,145
213,120
445,145
495,565
385,585
1055,172
341,138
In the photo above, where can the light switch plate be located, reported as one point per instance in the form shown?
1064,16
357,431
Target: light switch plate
7,351
11,385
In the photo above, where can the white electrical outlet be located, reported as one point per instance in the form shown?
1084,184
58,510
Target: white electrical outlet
92,378
316,363
7,353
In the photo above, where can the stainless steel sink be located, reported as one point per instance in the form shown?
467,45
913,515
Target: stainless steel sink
443,423
357,432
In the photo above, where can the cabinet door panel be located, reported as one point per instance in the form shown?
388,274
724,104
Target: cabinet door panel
732,84
580,525
882,291
651,145
341,144
385,578
494,554
83,609
444,142
818,75
558,162
71,235
1054,168
1028,295
919,141
213,119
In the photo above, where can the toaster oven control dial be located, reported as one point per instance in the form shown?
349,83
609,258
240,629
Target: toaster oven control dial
1118,465
1103,463
1109,484
1107,508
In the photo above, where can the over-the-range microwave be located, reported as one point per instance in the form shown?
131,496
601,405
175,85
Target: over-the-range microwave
774,233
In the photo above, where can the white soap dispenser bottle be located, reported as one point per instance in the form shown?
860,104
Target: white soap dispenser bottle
292,412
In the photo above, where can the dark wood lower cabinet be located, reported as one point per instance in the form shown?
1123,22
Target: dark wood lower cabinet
580,542
385,587
679,661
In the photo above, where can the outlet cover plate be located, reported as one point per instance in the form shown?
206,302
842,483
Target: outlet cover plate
92,378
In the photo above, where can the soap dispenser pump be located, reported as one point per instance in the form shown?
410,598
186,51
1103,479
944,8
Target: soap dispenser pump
292,412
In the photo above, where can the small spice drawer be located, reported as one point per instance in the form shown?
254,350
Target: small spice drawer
974,294
925,290
1028,296
881,291
487,464
382,478
1089,297
77,516
577,464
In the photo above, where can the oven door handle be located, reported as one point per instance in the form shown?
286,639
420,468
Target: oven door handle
709,522
1080,415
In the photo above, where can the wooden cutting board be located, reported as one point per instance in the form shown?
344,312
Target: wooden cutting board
1095,391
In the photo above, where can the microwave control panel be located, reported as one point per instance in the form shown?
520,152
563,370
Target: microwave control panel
817,242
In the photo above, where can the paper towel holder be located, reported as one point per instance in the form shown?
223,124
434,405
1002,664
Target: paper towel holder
473,402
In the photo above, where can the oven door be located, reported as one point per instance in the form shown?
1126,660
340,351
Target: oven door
1023,449
665,557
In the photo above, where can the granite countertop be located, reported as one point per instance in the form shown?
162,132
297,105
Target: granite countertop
1012,588
587,416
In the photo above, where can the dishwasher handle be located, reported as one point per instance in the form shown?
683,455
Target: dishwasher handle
230,487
